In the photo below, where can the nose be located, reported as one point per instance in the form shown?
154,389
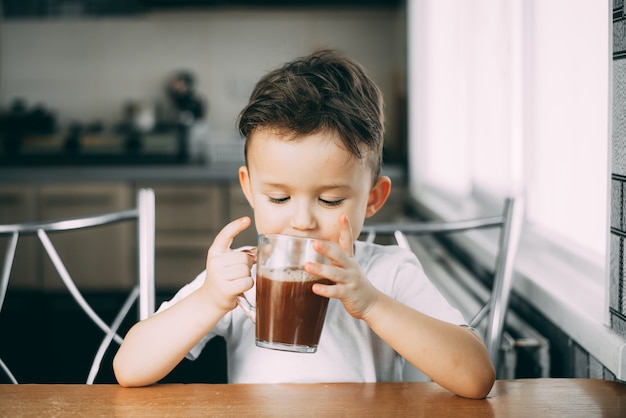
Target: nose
303,218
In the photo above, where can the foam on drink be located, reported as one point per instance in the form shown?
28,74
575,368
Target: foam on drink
290,274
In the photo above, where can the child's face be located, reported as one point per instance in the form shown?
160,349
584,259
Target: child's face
301,187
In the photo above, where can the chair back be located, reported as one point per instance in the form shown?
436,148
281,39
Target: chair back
510,224
143,291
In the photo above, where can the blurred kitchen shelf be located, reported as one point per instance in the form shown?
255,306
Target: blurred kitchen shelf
28,9
95,149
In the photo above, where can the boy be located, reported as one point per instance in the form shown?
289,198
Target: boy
314,137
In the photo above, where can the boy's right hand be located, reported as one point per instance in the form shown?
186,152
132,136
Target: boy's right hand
228,272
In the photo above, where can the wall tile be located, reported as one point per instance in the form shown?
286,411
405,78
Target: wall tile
616,204
622,280
614,272
619,38
618,165
617,286
618,324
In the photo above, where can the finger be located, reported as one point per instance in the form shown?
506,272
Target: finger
329,250
326,290
346,240
330,272
225,237
237,258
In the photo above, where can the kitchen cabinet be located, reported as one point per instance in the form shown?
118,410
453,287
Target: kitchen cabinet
98,258
188,217
193,203
19,204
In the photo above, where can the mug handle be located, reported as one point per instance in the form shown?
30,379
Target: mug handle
242,301
247,307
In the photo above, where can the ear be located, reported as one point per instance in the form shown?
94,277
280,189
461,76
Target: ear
378,196
244,181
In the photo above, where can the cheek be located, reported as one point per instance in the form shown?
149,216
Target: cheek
267,220
356,212
356,217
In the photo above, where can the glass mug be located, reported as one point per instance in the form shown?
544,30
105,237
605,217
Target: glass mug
288,316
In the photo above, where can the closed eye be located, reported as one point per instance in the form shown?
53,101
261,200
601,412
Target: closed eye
331,203
278,200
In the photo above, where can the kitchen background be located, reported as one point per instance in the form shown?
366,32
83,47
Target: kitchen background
88,67
81,63
86,119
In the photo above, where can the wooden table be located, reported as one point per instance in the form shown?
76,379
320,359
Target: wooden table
535,398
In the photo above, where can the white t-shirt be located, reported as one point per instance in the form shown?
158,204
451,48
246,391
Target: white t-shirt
349,351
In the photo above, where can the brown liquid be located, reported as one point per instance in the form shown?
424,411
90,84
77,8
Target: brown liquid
288,312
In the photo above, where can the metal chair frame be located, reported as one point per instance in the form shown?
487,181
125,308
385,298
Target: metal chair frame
144,291
510,224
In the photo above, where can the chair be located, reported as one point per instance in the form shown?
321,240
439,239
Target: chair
510,224
144,291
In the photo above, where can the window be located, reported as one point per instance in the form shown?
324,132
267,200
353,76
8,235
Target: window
512,97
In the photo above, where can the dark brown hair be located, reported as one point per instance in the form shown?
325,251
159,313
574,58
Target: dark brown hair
324,90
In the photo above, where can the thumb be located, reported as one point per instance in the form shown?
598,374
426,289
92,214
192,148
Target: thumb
346,240
225,237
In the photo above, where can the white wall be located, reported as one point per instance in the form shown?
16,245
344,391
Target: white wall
87,69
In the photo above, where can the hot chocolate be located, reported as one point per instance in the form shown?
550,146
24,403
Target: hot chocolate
289,314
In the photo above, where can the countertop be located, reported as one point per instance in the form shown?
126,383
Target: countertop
509,398
214,172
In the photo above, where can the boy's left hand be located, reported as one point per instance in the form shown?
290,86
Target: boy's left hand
350,286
